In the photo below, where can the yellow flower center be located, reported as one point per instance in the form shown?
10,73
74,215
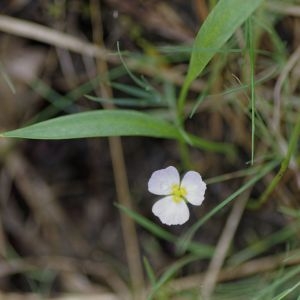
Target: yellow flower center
178,193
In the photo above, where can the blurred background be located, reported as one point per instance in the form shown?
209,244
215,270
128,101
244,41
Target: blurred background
60,230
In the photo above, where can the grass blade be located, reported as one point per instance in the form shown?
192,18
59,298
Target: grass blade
219,26
171,271
198,249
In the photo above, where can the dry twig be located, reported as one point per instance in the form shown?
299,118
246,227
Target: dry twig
119,168
59,39
222,246
250,268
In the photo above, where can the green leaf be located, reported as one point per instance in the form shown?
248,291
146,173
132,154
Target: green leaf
149,271
169,273
102,123
201,250
105,123
219,26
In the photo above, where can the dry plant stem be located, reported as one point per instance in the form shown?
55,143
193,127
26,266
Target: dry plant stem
250,268
64,56
28,239
77,296
38,195
67,67
50,36
283,8
294,58
100,271
119,168
233,220
5,183
41,200
2,241
65,264
56,38
100,296
201,9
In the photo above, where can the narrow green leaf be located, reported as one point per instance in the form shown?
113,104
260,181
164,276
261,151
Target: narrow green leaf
256,248
133,102
170,272
105,123
219,26
7,79
102,123
271,287
201,250
288,291
149,271
251,51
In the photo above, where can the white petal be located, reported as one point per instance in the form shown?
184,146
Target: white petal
161,181
170,212
195,187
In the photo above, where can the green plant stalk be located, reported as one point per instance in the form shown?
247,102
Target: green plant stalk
237,174
185,139
185,156
149,271
181,102
252,85
224,148
283,167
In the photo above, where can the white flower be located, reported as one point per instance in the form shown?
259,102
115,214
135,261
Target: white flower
172,209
